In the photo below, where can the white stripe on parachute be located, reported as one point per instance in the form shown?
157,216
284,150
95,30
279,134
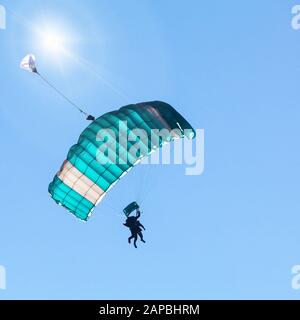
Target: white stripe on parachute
77,181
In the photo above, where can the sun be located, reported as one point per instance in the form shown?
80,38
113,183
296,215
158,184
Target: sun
53,41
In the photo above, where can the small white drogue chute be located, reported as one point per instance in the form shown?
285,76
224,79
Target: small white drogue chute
28,63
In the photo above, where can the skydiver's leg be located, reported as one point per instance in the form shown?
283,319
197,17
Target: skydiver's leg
141,236
135,240
132,235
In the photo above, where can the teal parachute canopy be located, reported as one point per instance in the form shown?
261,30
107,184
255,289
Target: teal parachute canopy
86,175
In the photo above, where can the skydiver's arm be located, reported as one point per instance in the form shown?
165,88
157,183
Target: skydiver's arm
138,213
142,226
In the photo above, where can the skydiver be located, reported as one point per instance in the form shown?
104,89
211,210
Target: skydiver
135,227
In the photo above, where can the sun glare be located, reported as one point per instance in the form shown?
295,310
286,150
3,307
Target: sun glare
53,41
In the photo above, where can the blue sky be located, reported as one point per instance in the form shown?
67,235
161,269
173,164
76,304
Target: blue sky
228,67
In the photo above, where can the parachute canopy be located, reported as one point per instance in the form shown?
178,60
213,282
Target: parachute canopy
28,63
84,178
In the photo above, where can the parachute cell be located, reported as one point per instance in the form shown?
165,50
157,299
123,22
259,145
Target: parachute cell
84,179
